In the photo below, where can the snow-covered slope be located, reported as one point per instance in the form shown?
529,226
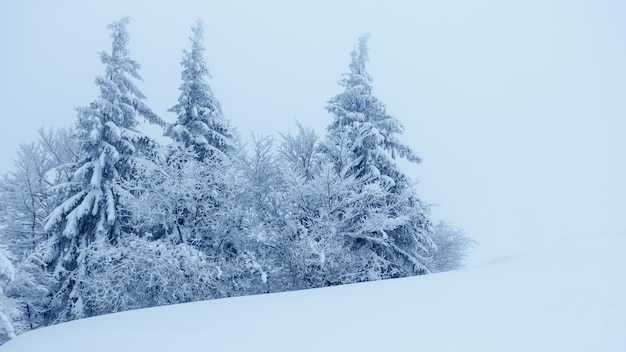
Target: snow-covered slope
571,297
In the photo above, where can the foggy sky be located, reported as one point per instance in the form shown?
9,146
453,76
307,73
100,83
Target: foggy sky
517,108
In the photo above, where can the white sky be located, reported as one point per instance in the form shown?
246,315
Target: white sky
517,108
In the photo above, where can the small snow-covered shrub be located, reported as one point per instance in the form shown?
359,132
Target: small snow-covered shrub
137,273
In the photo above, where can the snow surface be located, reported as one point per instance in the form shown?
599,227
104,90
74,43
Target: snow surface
570,297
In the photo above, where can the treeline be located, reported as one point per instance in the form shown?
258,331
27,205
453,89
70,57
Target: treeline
101,218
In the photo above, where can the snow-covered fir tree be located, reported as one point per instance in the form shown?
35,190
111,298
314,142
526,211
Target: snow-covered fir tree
363,120
200,130
200,122
364,137
91,210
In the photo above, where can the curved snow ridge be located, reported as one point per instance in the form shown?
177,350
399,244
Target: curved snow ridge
569,297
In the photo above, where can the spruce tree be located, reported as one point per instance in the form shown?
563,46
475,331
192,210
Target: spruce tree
110,143
362,120
363,137
200,122
200,132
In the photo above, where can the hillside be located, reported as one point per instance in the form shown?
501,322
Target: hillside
571,297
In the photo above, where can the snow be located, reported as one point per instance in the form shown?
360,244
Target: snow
567,297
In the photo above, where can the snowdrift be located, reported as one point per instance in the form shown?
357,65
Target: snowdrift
571,297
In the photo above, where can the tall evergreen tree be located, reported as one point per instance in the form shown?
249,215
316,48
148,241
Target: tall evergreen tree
362,120
200,122
363,137
110,142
